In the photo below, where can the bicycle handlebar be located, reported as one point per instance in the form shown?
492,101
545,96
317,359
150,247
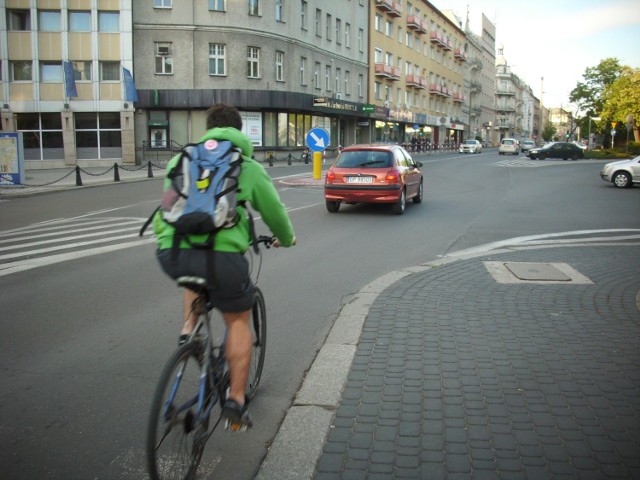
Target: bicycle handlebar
266,239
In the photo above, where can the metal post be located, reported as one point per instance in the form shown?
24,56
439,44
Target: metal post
289,159
317,165
78,179
149,170
116,174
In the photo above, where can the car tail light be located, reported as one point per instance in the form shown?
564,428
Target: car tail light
331,176
392,176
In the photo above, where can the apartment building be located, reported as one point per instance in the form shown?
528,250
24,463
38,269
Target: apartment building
63,66
416,76
286,65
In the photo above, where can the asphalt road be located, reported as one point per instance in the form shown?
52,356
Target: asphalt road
88,322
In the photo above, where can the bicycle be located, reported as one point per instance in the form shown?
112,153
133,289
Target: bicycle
186,407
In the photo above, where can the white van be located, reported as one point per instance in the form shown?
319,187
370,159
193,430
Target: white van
509,145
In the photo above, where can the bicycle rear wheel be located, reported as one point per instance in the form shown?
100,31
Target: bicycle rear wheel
259,331
177,432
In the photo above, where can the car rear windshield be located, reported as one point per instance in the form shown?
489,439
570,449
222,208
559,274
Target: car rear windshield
364,159
470,142
507,142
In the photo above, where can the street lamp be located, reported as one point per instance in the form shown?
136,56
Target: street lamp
596,119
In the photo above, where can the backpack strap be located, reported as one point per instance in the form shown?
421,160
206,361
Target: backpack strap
148,222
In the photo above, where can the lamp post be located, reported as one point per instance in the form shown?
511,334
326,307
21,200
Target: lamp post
591,118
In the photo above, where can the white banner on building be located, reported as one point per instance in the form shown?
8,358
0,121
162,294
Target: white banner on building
252,127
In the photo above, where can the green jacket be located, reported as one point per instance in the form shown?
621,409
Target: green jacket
254,186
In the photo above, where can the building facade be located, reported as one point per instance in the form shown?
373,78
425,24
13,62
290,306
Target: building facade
62,73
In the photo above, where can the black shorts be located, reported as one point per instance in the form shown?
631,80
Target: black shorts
231,289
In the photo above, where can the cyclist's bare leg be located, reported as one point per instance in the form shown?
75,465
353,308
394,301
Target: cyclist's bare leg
190,317
238,349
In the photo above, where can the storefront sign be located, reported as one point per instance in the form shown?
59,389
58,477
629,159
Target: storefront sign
252,127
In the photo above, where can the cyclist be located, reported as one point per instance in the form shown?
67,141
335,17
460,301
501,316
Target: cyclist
231,288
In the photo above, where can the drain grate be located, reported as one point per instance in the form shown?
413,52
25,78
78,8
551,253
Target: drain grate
535,272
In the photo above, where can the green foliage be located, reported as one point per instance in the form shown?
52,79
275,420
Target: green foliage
622,98
548,132
588,94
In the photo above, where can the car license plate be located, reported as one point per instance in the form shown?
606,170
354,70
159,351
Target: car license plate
359,179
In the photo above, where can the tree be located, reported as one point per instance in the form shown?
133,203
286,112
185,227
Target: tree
622,98
548,132
588,95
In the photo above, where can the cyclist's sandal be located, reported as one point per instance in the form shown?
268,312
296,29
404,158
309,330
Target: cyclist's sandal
182,339
236,417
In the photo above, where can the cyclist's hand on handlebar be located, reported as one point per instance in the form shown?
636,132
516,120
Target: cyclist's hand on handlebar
276,243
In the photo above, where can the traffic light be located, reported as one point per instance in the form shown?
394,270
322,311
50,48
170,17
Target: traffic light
568,134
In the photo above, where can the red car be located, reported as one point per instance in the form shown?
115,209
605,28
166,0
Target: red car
373,174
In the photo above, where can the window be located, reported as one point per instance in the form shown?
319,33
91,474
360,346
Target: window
50,72
347,76
254,7
108,21
79,21
162,3
316,75
337,82
253,62
389,29
303,67
360,84
81,70
377,55
42,135
328,32
347,35
303,14
378,23
98,135
338,31
361,40
18,20
217,59
279,10
280,66
327,78
216,5
109,71
49,21
21,71
164,59
318,22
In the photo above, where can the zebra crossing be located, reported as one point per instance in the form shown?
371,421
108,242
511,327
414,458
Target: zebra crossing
60,240
519,162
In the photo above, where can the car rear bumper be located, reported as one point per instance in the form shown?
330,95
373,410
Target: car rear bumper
362,193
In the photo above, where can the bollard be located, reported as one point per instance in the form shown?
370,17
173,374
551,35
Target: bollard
149,170
116,174
289,160
78,179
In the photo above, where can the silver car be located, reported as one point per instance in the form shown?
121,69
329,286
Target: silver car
509,145
623,173
470,146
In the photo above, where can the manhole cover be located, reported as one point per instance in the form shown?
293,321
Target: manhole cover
536,272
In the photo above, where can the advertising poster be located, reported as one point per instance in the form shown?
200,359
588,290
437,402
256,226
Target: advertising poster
11,159
252,127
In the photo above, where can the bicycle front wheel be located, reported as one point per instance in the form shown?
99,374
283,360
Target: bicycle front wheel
177,428
259,332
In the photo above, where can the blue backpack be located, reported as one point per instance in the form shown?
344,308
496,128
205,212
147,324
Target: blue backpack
202,196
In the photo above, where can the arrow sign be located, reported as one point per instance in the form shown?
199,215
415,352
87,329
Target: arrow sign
317,139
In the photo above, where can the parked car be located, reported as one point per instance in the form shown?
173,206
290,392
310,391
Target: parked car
509,145
373,173
563,150
623,173
527,145
470,146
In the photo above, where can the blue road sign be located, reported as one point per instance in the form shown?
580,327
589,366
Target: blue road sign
317,139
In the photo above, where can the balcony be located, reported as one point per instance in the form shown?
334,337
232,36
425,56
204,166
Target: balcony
441,90
416,81
458,97
505,108
389,6
460,55
446,43
414,23
387,71
505,91
437,38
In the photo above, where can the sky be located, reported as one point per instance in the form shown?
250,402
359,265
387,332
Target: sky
557,39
